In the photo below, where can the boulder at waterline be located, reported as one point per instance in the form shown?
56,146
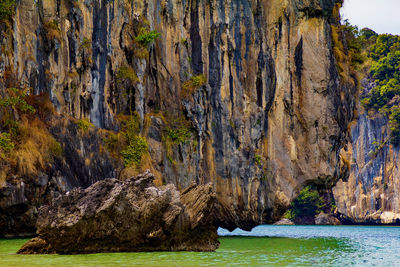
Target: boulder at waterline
36,246
326,219
284,221
130,215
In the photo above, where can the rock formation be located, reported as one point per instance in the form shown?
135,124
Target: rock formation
256,82
36,246
133,215
284,222
83,165
371,194
326,219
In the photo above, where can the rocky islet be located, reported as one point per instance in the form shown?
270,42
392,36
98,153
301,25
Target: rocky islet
127,216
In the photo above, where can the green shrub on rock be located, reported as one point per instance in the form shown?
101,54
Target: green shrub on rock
146,37
16,100
84,125
135,150
258,159
193,83
134,145
6,144
127,73
307,204
179,135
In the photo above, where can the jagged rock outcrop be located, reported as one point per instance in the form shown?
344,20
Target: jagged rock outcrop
270,118
133,215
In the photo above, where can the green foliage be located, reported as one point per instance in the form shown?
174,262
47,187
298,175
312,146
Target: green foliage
12,126
7,9
135,150
367,35
179,130
135,145
384,54
387,68
198,80
127,73
179,135
6,144
350,35
84,125
257,159
131,126
25,134
118,142
378,147
184,42
15,100
193,83
170,159
56,149
308,203
289,215
112,142
146,37
384,44
347,51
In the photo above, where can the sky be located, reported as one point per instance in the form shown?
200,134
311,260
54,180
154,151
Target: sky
382,16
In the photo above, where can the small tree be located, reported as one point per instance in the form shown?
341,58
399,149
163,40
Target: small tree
307,204
146,37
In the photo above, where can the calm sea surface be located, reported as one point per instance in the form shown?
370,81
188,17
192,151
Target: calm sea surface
264,246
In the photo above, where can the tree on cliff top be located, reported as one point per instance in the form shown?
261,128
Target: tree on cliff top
383,68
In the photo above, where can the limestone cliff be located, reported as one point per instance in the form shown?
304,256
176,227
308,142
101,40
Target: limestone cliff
270,117
370,194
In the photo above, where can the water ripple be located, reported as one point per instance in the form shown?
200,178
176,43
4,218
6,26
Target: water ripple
264,246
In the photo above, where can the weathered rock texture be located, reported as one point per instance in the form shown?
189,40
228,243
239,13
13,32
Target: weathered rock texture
271,117
371,194
134,215
326,219
36,246
81,165
284,222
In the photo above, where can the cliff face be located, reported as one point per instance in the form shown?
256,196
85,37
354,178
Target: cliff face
371,192
271,117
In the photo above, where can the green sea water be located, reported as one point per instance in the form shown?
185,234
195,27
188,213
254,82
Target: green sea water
264,246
